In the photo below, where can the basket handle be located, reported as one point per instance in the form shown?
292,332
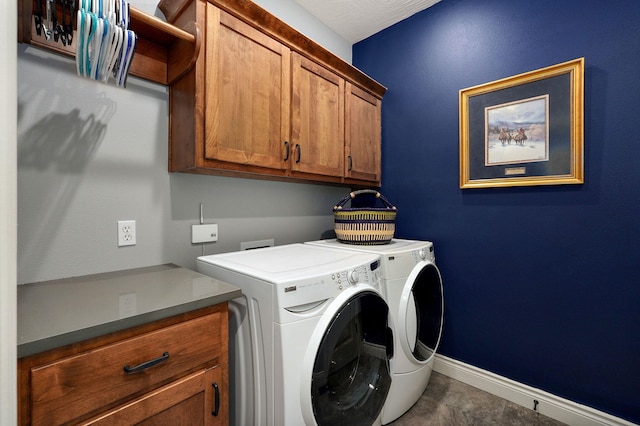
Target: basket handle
353,194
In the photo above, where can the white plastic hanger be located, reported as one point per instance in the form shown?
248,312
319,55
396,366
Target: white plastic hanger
105,46
89,31
79,42
96,45
128,49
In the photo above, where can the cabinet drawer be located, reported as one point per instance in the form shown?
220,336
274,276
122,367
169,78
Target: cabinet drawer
78,385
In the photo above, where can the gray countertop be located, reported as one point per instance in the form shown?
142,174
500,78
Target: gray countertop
59,312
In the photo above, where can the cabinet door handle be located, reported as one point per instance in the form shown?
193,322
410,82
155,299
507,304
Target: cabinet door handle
286,150
350,163
216,399
145,365
298,149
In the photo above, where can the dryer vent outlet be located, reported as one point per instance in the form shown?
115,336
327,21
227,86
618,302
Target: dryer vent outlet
251,245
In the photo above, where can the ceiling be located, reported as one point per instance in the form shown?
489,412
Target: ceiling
355,20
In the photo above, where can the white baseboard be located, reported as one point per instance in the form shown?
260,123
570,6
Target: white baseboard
549,405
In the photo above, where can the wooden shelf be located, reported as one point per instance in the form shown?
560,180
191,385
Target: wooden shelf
163,54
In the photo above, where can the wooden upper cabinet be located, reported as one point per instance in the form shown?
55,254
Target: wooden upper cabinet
363,135
317,119
264,101
247,89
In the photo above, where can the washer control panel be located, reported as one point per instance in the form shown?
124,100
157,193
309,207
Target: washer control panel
369,274
303,296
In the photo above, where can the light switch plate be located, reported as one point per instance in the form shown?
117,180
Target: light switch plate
206,233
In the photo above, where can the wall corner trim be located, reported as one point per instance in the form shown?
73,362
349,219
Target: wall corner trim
564,410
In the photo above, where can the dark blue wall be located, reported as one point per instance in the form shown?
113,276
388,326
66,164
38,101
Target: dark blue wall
542,284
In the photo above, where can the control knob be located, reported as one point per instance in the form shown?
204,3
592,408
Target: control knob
353,277
423,254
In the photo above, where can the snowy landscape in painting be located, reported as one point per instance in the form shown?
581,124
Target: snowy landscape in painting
517,132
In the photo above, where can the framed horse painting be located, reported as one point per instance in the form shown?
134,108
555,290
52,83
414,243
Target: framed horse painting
524,130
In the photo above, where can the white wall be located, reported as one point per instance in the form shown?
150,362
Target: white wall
295,15
91,154
8,206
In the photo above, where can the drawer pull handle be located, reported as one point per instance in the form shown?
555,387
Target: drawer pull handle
145,365
216,404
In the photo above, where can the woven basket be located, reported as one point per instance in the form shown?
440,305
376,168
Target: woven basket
364,225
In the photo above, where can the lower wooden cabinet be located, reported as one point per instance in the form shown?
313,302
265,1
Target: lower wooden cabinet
193,400
173,371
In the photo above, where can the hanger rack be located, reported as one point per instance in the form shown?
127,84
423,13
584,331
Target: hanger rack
164,52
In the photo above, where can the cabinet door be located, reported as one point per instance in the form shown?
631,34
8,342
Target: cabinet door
193,400
363,135
247,93
317,119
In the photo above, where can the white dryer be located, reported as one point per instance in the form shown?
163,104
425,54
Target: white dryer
414,292
309,339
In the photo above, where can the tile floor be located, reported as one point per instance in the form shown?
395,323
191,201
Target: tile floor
448,402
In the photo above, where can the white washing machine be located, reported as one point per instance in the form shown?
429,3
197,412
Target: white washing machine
309,339
413,287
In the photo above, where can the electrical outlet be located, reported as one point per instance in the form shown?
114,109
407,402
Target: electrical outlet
127,305
126,233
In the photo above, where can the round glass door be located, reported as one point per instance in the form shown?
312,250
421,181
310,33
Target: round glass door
351,376
429,304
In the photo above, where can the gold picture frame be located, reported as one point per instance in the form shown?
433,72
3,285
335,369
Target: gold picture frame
524,130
